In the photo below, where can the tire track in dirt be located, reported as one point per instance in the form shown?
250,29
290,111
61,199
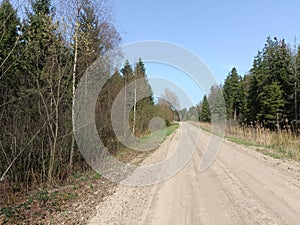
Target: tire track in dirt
241,187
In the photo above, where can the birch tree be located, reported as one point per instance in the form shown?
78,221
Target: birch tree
88,23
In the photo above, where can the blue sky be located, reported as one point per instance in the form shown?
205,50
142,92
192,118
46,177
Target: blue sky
222,33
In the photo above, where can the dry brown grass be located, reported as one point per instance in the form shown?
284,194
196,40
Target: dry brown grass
279,144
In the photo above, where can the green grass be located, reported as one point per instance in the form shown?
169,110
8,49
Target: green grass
152,137
77,176
242,141
122,151
272,151
166,131
42,195
205,129
126,154
97,176
7,211
171,129
274,155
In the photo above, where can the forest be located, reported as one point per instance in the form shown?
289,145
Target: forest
268,96
45,49
44,55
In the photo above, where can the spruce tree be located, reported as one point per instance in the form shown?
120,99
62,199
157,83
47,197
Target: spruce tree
217,103
284,77
127,72
205,110
255,87
88,37
272,99
231,92
271,69
106,98
46,69
143,107
242,97
140,73
9,46
296,89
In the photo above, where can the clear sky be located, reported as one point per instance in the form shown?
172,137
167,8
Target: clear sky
223,33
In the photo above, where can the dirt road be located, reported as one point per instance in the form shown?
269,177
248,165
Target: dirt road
241,187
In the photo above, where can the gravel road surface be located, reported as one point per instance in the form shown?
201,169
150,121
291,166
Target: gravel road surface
242,186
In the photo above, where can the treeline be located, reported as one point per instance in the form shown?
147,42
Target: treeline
269,94
211,107
42,59
132,81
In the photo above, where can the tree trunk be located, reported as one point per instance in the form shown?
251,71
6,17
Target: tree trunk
73,93
125,103
134,109
234,114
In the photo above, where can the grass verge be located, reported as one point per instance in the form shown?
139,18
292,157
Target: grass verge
126,155
279,145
